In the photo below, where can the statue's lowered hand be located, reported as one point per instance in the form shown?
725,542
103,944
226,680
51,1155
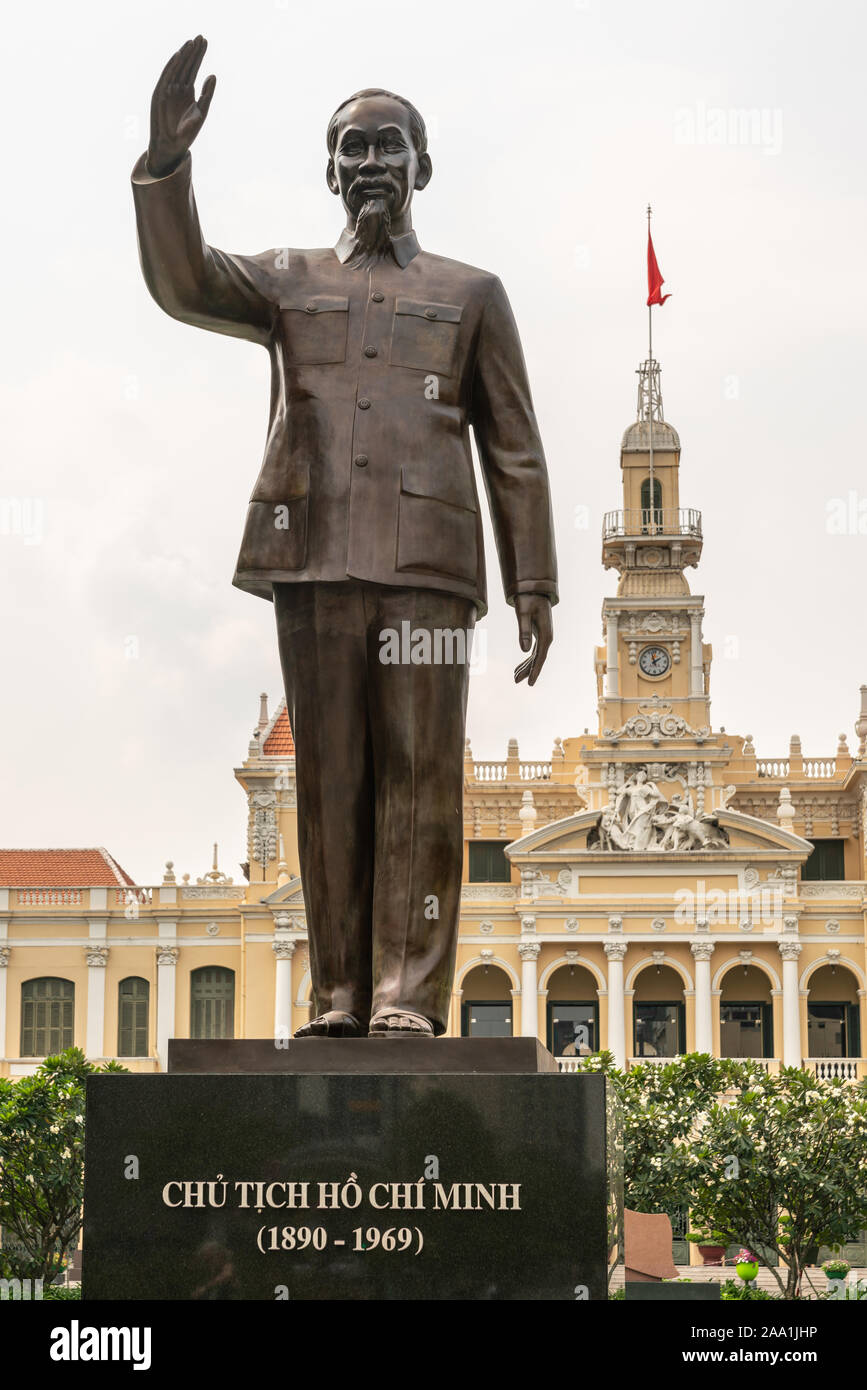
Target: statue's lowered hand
176,116
534,620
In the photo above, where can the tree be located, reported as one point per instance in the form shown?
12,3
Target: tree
659,1108
775,1163
784,1166
41,1164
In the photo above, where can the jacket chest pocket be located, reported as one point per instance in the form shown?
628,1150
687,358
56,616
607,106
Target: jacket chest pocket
314,329
425,335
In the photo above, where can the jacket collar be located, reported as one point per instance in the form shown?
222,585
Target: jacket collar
404,248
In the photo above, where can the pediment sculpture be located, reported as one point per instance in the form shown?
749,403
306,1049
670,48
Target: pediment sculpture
641,818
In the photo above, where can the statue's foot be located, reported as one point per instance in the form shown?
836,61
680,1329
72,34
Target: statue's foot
400,1023
335,1024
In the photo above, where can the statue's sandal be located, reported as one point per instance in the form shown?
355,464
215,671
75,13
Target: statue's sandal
400,1023
335,1024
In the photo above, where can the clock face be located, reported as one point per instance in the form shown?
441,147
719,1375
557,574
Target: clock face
654,661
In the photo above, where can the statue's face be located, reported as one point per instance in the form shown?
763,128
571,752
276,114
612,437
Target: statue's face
375,157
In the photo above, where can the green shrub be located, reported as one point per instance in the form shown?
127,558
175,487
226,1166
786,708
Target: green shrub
731,1289
42,1164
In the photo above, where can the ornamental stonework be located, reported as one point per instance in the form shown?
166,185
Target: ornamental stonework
656,721
640,818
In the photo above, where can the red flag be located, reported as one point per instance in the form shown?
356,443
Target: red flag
655,281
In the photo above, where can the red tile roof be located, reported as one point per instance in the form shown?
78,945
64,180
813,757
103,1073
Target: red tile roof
279,742
60,868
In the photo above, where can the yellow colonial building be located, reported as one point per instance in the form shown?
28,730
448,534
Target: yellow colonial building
653,888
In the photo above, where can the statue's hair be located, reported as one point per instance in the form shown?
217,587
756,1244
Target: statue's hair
416,124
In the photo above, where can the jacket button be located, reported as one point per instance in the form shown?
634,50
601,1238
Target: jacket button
311,308
370,352
361,460
430,313
364,403
377,296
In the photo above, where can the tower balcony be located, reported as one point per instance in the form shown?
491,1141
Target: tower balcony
666,523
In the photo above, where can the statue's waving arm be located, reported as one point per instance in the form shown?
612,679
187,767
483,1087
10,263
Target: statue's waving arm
190,280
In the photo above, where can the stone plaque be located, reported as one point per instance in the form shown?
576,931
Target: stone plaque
346,1186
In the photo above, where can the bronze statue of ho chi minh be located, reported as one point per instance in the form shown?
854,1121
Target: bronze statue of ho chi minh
365,517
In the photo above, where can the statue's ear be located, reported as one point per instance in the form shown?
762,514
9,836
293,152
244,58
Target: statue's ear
425,170
331,177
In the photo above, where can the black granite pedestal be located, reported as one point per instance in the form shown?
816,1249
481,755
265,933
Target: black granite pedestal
348,1169
381,1056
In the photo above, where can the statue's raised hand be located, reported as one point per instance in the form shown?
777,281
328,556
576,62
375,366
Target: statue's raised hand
176,116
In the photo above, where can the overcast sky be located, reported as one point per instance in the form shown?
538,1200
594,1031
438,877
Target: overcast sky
130,443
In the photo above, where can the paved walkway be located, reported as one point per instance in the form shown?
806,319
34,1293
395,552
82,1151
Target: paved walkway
706,1274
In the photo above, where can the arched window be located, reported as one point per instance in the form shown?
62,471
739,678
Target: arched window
658,1013
212,1002
832,1013
486,1009
651,523
573,1012
133,1000
47,1016
746,1014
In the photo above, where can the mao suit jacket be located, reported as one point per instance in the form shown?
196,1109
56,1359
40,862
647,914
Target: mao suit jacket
377,376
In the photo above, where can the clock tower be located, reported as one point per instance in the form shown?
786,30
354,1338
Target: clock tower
653,648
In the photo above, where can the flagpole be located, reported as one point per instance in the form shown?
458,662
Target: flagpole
652,516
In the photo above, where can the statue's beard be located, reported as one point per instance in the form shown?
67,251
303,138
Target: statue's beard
372,233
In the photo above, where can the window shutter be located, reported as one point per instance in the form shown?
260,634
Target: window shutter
47,1016
212,1002
488,863
826,861
132,1017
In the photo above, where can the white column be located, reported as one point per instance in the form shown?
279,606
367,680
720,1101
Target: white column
5,953
612,656
790,951
455,1017
702,951
696,665
284,951
529,953
615,951
167,959
97,960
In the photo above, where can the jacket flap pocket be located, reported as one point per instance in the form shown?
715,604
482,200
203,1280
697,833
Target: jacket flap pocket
314,328
436,539
275,537
428,309
445,484
317,303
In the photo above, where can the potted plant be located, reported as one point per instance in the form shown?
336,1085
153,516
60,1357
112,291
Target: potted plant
711,1246
747,1266
836,1269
